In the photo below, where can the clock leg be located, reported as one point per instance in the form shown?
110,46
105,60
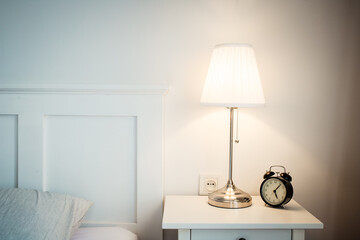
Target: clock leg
184,234
297,234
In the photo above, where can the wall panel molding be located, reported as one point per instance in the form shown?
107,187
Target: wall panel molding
8,151
104,148
111,89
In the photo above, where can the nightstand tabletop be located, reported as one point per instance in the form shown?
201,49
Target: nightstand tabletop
193,212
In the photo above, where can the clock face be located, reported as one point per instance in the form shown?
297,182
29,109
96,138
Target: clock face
273,191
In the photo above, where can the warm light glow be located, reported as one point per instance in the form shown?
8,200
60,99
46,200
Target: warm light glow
233,78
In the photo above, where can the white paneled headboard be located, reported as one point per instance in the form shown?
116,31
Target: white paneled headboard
102,143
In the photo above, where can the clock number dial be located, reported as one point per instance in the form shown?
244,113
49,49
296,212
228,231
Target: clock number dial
274,191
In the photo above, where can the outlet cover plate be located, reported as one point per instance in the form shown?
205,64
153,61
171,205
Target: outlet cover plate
208,183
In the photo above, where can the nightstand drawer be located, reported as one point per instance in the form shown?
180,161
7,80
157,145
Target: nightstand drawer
238,234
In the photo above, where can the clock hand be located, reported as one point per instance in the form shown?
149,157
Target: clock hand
276,194
275,191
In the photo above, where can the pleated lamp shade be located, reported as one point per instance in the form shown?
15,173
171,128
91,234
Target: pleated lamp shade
233,78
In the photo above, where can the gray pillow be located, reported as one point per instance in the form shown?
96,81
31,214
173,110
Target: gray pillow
34,215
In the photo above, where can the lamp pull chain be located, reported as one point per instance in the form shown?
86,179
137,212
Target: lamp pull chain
237,126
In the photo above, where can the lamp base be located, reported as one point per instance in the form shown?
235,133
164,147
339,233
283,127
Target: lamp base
230,197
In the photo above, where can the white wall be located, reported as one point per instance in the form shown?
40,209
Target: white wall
306,52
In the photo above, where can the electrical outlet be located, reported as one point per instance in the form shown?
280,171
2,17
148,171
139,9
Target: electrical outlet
208,184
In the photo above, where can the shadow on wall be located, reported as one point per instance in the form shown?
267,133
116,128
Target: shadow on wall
347,219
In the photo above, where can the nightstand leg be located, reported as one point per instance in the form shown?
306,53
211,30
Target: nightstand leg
298,234
184,234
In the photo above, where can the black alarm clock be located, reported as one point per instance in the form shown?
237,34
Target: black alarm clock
276,190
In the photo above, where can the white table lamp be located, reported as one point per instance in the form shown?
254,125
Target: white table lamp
232,81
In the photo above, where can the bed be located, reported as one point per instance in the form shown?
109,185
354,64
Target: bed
100,143
103,233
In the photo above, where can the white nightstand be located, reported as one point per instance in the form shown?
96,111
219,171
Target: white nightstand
195,219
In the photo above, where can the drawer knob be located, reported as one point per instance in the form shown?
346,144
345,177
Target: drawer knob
242,239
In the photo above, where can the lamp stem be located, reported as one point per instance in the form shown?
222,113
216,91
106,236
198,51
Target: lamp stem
230,196
230,181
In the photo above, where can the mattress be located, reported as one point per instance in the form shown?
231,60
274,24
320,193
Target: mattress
103,233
